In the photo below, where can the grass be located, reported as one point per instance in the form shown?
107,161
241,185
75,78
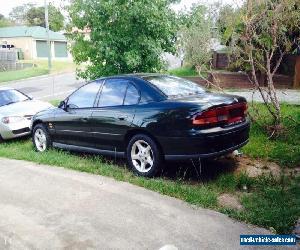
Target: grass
183,71
22,74
40,69
285,149
57,66
268,202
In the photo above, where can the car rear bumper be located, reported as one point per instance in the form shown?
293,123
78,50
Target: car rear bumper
205,155
208,145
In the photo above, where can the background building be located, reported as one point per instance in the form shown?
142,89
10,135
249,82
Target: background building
32,41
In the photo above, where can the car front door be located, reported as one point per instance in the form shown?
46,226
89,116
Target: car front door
114,113
73,124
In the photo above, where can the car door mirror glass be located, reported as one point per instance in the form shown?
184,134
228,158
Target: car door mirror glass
71,106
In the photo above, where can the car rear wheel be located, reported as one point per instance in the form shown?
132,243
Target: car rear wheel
143,155
41,138
1,139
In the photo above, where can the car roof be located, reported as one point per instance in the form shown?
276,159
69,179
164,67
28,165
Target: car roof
6,88
135,75
143,75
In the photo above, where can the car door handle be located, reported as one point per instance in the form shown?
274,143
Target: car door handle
122,117
84,119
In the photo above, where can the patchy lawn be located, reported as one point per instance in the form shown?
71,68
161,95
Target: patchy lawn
22,74
183,71
40,69
268,201
285,149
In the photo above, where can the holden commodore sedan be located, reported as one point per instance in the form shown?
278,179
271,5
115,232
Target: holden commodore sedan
16,111
147,118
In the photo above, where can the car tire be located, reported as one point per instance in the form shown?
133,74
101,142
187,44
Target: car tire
1,139
144,156
41,138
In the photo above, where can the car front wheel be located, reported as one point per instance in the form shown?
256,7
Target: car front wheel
143,155
41,138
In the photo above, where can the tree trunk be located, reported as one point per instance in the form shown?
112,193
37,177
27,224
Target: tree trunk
297,73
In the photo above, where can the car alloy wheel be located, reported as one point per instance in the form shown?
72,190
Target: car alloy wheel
40,140
142,156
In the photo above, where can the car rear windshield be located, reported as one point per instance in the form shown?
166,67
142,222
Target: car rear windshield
11,96
174,86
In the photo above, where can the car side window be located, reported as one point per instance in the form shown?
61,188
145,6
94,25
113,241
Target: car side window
132,95
113,93
85,96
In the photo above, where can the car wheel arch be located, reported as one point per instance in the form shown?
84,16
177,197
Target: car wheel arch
36,123
134,132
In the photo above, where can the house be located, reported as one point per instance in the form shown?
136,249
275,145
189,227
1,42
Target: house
33,42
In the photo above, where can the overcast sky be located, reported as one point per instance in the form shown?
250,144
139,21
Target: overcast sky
9,4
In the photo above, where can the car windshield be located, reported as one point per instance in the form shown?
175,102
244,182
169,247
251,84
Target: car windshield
174,86
11,96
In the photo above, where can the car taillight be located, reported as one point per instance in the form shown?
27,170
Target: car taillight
222,115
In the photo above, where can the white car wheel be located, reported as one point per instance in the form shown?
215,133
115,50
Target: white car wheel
142,156
40,140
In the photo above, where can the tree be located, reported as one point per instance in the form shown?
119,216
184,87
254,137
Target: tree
18,13
195,37
265,35
4,22
126,36
227,17
35,16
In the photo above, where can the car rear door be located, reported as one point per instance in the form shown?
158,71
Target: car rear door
73,125
114,113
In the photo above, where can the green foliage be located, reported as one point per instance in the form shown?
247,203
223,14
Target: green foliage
263,30
126,36
29,14
4,22
227,19
195,36
18,13
35,16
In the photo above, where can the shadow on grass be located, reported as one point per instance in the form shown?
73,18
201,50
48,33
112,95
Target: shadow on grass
189,171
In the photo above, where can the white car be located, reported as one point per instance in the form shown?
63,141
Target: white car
16,111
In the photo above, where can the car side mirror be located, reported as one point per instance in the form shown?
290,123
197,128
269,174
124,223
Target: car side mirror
62,105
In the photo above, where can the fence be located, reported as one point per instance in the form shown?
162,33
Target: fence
241,80
8,59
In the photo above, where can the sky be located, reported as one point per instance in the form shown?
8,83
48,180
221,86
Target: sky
7,7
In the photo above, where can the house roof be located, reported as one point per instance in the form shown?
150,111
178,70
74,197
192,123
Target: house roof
35,32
